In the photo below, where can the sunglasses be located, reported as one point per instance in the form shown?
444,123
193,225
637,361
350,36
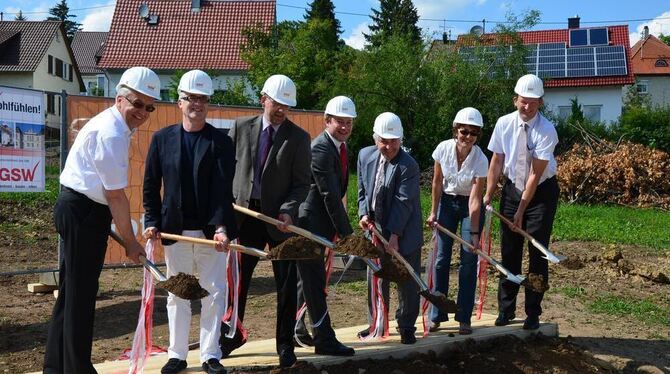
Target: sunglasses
465,132
195,99
137,104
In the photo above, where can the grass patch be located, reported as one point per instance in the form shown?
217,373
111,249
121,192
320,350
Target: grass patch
360,286
50,194
642,310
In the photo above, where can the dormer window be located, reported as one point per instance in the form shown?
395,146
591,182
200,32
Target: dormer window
661,63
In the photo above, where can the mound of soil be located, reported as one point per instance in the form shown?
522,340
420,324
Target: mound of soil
536,282
296,247
357,246
440,301
392,269
185,286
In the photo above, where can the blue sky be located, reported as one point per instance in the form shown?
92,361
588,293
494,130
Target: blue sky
455,16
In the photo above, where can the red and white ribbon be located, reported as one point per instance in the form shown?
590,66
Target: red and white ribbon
231,295
379,313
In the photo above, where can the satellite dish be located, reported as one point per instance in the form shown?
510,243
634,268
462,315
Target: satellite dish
477,30
143,11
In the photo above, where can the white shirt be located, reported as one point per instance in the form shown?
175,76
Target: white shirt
267,124
542,139
459,182
98,158
337,143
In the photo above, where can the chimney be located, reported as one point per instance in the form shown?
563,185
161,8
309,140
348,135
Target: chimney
573,22
645,33
445,38
195,6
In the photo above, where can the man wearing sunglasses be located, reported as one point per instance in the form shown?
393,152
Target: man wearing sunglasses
92,194
523,145
194,164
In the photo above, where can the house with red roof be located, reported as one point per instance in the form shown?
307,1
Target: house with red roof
87,47
650,58
591,64
182,35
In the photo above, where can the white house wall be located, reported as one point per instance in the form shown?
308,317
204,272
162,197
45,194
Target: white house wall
22,80
608,97
42,80
658,89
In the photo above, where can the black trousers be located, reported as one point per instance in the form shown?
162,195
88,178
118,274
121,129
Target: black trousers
538,221
311,290
254,234
84,226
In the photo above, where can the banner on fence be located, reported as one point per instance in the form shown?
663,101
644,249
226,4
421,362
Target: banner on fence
21,140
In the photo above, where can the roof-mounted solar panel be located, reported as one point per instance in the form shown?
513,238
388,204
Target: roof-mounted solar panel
579,38
598,36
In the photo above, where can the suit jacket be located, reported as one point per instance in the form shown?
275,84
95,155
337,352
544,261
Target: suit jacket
323,212
402,208
214,169
286,175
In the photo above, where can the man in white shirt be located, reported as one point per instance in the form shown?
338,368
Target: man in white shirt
93,182
523,145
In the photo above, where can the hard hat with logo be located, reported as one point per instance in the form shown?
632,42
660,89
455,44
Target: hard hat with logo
469,116
196,82
281,89
529,86
388,126
142,80
341,106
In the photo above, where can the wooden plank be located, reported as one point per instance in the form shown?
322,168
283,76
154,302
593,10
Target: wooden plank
41,287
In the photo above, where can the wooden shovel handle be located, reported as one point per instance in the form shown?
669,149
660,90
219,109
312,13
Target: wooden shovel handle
510,223
397,255
526,235
236,247
292,228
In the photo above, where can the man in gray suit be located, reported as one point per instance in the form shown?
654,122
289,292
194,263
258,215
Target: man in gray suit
272,176
388,196
323,213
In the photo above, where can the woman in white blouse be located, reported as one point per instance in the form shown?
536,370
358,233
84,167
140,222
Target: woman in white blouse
459,180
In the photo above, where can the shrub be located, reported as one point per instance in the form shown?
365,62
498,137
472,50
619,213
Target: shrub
648,126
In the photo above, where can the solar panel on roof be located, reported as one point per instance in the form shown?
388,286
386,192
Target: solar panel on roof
598,36
578,37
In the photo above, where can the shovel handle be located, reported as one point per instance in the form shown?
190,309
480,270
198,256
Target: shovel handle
236,247
295,229
397,255
145,261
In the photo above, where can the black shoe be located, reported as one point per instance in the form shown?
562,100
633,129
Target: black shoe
304,339
229,345
174,366
435,327
504,319
334,348
407,337
213,366
531,323
363,333
287,358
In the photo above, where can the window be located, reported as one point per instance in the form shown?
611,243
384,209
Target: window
643,87
50,68
59,67
592,112
51,103
661,63
564,112
70,72
165,95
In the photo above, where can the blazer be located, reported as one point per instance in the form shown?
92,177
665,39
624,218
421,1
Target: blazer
286,175
323,212
214,170
402,207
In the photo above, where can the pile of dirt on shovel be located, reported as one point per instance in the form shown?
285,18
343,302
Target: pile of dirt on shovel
185,286
392,269
536,282
296,247
357,246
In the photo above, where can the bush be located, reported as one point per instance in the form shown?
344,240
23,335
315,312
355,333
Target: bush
648,126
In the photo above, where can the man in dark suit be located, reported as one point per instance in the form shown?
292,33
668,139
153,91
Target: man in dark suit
324,214
388,196
194,163
272,176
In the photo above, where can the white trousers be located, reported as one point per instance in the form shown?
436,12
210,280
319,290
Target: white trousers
210,266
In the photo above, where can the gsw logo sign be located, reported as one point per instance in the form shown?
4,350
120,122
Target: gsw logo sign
17,174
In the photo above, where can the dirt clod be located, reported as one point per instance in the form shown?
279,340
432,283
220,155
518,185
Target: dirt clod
536,282
440,301
392,269
357,246
296,247
572,263
185,286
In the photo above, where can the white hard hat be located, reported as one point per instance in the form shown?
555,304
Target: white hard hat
529,86
196,82
281,89
341,106
388,126
469,116
142,80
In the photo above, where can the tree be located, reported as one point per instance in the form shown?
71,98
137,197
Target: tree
20,16
61,12
325,10
664,38
394,17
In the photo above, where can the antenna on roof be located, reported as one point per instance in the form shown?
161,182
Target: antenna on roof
477,30
143,11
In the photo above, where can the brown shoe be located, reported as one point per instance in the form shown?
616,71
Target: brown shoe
464,329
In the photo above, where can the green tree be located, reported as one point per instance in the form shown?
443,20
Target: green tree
325,10
235,94
61,12
173,90
394,17
664,38
634,99
19,16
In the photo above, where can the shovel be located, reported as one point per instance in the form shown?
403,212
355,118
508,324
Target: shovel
547,253
236,247
193,292
438,299
518,279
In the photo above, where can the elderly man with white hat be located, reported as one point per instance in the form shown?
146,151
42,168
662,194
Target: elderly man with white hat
523,145
93,182
272,176
193,164
388,197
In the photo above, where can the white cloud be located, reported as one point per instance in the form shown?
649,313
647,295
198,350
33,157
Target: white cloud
441,9
36,13
356,39
98,19
657,26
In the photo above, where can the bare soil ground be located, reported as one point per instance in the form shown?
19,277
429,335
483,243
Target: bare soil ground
612,310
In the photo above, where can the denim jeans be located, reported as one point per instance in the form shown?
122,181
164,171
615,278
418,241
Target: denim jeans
452,210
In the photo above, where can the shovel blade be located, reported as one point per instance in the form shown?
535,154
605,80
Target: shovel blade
518,279
554,258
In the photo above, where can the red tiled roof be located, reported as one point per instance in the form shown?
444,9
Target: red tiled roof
618,35
209,39
24,43
646,52
85,45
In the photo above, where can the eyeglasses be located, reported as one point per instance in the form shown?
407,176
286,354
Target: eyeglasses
195,99
137,104
465,132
